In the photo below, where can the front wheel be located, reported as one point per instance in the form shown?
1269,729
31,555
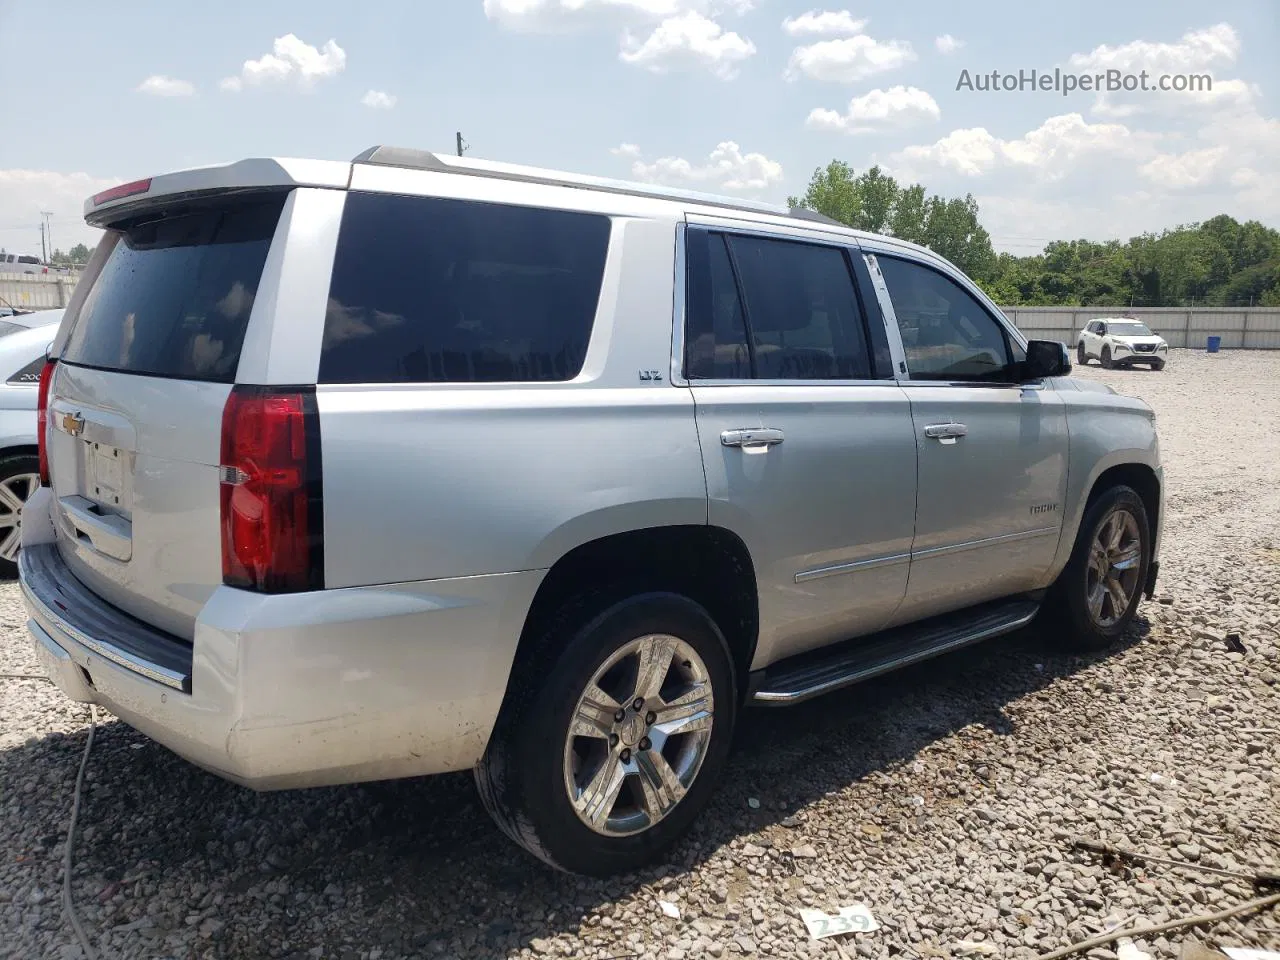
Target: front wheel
1158,365
1081,357
1106,358
1097,594
609,747
19,478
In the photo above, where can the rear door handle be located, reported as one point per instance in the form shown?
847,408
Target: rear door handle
756,438
946,432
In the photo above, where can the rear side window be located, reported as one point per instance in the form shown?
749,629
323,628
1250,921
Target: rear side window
174,297
772,310
429,290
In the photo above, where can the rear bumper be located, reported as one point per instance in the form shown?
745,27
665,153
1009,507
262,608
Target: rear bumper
298,690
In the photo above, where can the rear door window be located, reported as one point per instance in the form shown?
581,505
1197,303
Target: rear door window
174,297
772,310
431,290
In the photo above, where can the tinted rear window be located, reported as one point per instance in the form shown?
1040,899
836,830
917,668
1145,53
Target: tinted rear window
174,296
427,290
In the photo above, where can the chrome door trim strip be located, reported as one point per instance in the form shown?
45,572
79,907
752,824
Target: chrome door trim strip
835,569
984,542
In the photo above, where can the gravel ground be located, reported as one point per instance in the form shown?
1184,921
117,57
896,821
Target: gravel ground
944,797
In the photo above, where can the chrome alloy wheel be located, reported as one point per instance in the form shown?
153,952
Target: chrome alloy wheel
1115,562
638,735
14,492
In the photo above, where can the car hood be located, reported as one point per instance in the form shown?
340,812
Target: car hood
1134,341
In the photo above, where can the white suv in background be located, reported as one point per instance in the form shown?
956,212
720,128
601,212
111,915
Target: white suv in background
1121,342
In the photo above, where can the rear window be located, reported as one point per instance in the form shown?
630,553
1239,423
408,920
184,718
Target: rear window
174,297
427,290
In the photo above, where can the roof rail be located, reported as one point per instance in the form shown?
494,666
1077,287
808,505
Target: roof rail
426,160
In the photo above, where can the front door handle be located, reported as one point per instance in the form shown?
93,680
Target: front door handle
946,432
756,438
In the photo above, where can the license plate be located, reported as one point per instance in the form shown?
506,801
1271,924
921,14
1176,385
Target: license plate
106,473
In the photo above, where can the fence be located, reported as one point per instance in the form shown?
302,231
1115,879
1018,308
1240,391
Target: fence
1255,328
36,291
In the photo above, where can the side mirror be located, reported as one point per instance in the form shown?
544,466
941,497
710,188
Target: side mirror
1046,358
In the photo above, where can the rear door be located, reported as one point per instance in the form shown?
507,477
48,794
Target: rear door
136,403
807,442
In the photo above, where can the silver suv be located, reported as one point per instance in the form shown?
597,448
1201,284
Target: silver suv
418,464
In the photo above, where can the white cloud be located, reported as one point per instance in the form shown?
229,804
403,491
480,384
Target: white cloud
823,23
688,40
290,60
1196,49
625,150
947,43
552,15
896,107
727,168
162,86
378,100
1050,151
849,59
24,194
1177,171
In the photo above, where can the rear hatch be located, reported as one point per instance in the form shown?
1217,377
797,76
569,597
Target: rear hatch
136,404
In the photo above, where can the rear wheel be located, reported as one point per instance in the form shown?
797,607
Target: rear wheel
1106,357
1096,597
613,736
1081,357
19,478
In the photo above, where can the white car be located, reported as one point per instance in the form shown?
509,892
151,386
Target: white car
1121,342
24,338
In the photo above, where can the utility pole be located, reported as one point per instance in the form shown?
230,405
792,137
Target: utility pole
43,257
48,234
463,146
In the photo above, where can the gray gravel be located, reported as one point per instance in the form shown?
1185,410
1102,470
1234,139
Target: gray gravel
944,797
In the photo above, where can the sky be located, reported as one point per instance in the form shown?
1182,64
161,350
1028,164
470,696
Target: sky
743,97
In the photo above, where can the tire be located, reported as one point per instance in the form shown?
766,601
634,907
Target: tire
1067,607
19,478
1082,358
525,784
1158,366
1106,358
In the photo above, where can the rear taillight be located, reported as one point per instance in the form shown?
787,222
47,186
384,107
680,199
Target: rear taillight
42,420
272,520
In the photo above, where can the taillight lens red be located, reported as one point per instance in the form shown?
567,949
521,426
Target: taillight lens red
272,522
42,420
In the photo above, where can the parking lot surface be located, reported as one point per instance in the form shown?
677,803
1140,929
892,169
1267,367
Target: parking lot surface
945,797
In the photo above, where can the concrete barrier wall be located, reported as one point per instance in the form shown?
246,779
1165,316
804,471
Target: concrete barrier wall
1255,328
36,291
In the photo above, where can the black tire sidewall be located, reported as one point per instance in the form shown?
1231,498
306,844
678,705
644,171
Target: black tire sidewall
1105,359
1081,357
537,743
1072,585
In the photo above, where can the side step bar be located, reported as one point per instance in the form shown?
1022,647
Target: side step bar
813,674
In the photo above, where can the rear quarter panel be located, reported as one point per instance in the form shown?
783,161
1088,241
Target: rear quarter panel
429,481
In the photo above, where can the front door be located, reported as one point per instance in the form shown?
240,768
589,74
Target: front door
807,442
992,451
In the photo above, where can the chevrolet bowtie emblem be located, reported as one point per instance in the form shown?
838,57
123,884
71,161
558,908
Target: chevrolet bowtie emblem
73,423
